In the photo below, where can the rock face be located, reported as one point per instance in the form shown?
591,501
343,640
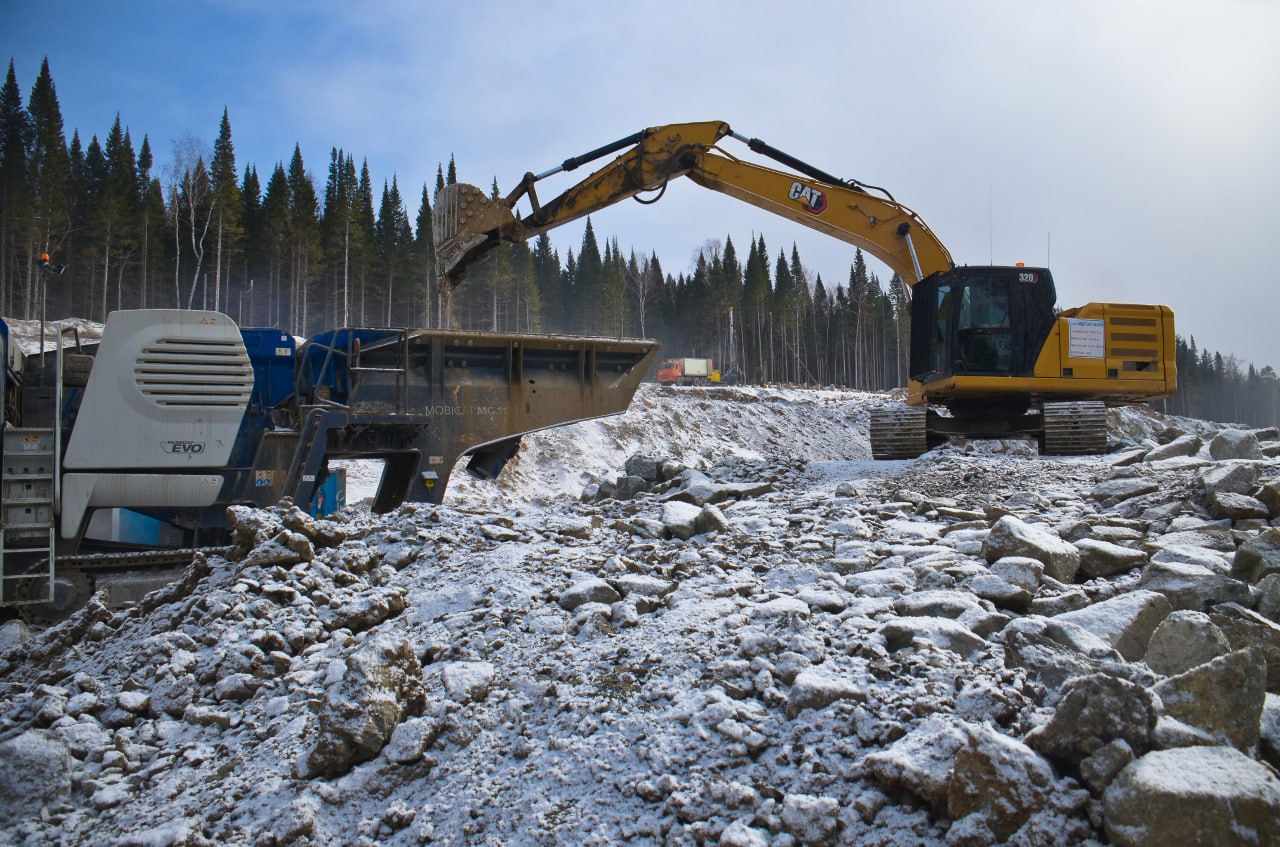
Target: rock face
1194,795
1012,537
380,685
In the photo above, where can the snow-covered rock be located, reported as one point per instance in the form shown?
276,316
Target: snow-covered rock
1223,697
1196,795
1235,444
36,771
1012,537
1126,622
370,691
1184,640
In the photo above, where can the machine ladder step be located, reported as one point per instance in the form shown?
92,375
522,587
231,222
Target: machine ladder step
27,509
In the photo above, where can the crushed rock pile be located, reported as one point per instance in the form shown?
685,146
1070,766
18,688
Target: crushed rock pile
969,649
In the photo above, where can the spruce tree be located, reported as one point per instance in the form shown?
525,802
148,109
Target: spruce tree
424,256
50,223
305,226
15,196
547,279
278,231
254,253
588,285
228,205
368,243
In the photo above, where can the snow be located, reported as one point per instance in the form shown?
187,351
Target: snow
806,675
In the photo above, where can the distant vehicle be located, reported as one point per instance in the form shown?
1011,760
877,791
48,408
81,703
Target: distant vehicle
687,372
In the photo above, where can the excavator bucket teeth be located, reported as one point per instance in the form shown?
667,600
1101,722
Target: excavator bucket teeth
466,224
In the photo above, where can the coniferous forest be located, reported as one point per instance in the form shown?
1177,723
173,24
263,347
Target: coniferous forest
277,248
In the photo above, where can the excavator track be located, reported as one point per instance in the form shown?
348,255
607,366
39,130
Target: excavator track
898,432
127,576
1075,429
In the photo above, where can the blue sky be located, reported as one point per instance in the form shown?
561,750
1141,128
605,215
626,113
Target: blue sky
1133,143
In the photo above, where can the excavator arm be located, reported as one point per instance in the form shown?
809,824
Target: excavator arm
468,223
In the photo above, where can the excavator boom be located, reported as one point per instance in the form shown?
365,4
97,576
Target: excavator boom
468,223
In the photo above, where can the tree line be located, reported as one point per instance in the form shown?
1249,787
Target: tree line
206,233
1222,388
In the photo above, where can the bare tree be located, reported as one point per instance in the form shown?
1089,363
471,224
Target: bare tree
644,280
192,205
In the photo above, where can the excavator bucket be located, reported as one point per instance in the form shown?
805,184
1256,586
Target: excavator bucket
466,224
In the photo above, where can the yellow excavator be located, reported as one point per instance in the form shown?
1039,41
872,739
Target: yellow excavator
991,355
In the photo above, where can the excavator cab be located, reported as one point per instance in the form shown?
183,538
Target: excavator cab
980,321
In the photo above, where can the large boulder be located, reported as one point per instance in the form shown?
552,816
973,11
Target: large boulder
466,682
1258,557
36,772
1235,444
1223,697
1269,596
589,590
946,633
680,519
1055,652
1269,731
1270,494
1113,491
1236,507
1001,779
1102,558
816,689
1229,477
1184,640
645,467
1184,445
1094,711
366,696
1126,621
812,821
1193,795
1192,586
1012,537
1246,628
921,761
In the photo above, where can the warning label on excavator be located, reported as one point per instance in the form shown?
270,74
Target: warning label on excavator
1086,338
264,478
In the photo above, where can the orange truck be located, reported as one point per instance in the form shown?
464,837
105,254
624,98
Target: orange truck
687,372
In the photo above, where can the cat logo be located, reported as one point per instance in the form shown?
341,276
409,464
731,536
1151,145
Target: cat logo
813,200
